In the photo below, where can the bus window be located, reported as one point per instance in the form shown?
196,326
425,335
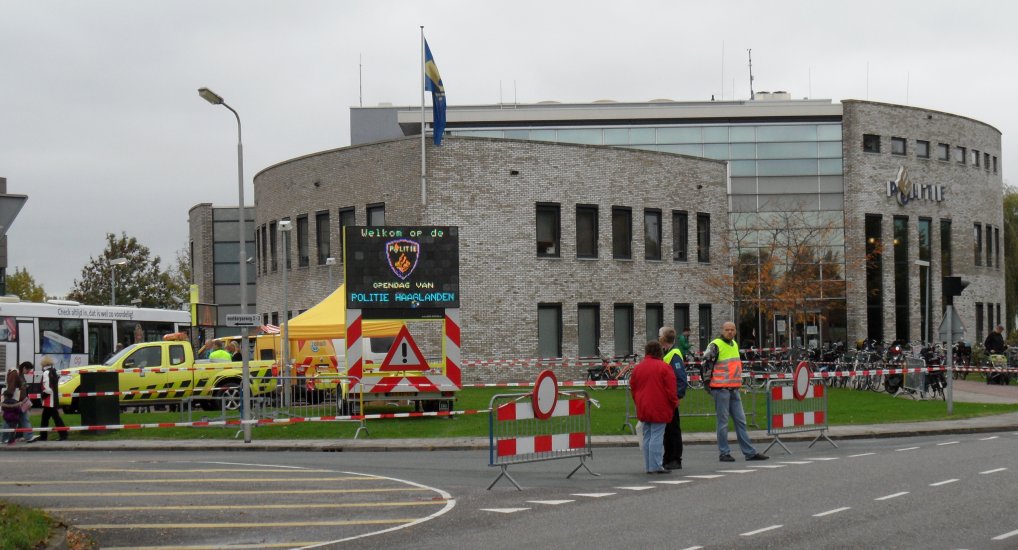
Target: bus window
61,335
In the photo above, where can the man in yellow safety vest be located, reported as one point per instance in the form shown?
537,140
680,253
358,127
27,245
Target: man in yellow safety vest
724,382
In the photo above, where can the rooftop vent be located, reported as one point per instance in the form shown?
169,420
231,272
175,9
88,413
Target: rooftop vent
772,96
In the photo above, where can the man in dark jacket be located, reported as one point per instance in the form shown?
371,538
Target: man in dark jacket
995,345
653,387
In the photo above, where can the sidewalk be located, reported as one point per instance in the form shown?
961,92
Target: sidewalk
965,391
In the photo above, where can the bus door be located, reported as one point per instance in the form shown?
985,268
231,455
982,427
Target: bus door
26,342
100,341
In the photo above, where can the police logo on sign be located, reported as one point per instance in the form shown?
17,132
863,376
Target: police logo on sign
402,255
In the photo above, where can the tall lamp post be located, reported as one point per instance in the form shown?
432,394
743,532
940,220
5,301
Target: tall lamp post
330,261
215,99
284,232
113,278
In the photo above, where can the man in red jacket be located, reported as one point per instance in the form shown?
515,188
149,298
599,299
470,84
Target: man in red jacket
653,387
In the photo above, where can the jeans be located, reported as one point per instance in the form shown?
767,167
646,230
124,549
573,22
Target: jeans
9,436
653,448
727,402
26,422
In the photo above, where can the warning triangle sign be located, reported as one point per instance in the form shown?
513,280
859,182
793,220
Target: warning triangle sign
404,354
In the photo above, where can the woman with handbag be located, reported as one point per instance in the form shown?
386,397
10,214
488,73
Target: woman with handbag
16,383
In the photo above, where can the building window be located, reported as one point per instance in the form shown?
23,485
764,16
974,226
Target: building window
706,325
986,162
945,253
681,317
925,253
652,234
979,321
897,146
623,329
273,236
347,218
302,241
547,230
265,249
994,164
870,143
989,245
975,158
655,320
322,240
996,243
376,214
901,279
922,149
680,235
258,251
549,330
959,155
703,237
622,233
943,151
586,231
977,240
874,278
588,329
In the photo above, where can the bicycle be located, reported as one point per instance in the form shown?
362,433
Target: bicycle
612,369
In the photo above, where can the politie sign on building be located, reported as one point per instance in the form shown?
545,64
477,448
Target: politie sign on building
402,268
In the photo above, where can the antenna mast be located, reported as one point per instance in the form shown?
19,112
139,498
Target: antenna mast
750,52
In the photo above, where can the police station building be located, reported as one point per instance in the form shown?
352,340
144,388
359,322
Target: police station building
584,227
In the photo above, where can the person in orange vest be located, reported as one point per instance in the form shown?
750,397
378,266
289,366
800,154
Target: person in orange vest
724,380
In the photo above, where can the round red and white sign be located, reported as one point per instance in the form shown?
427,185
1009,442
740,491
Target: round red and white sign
801,380
545,395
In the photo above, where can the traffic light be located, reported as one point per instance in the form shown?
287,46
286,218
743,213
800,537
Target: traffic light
953,287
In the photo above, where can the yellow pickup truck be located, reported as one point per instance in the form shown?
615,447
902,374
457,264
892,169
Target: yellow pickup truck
155,373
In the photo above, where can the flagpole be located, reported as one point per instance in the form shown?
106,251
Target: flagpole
424,165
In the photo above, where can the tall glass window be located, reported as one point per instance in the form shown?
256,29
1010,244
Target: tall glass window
680,235
548,230
901,298
681,317
586,231
376,214
989,245
322,236
588,329
703,237
655,320
622,233
652,234
996,243
549,330
623,329
874,278
302,241
977,241
945,253
273,236
979,321
706,325
347,218
925,227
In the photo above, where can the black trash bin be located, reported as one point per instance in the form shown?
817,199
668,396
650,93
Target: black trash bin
99,411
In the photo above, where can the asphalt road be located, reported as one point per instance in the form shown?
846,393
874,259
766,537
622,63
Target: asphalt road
951,491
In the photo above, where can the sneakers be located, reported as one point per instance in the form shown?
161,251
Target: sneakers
728,458
659,472
673,465
757,456
32,439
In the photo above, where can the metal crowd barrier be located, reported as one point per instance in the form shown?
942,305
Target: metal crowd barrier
914,382
517,436
787,414
698,402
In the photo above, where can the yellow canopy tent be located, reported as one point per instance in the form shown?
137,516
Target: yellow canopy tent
327,320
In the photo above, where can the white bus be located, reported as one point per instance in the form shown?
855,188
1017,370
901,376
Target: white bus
73,334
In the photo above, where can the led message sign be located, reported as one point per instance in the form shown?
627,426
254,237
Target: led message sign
401,267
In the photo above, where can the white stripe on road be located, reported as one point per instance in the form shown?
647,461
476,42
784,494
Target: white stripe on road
694,548
636,487
895,495
1006,535
592,495
945,482
863,454
504,510
989,438
995,470
672,481
824,458
736,471
834,511
550,502
948,443
758,531
707,476
906,449
770,466
797,462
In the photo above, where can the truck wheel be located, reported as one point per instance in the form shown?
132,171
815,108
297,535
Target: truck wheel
231,394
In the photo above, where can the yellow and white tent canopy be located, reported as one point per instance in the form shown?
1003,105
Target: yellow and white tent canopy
327,320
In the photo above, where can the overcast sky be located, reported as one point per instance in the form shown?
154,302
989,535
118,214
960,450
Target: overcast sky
102,127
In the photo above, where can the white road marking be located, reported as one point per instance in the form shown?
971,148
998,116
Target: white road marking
945,482
989,438
948,443
593,495
1006,535
862,454
550,502
693,548
504,510
758,531
895,495
906,449
770,466
834,511
736,471
672,481
636,487
995,470
797,462
825,458
707,476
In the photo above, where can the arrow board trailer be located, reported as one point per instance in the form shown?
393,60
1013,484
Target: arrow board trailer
408,274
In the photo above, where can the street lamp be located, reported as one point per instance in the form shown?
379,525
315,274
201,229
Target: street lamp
330,261
926,312
284,231
113,278
216,99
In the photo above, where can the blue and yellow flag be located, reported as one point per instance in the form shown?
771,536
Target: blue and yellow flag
433,84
